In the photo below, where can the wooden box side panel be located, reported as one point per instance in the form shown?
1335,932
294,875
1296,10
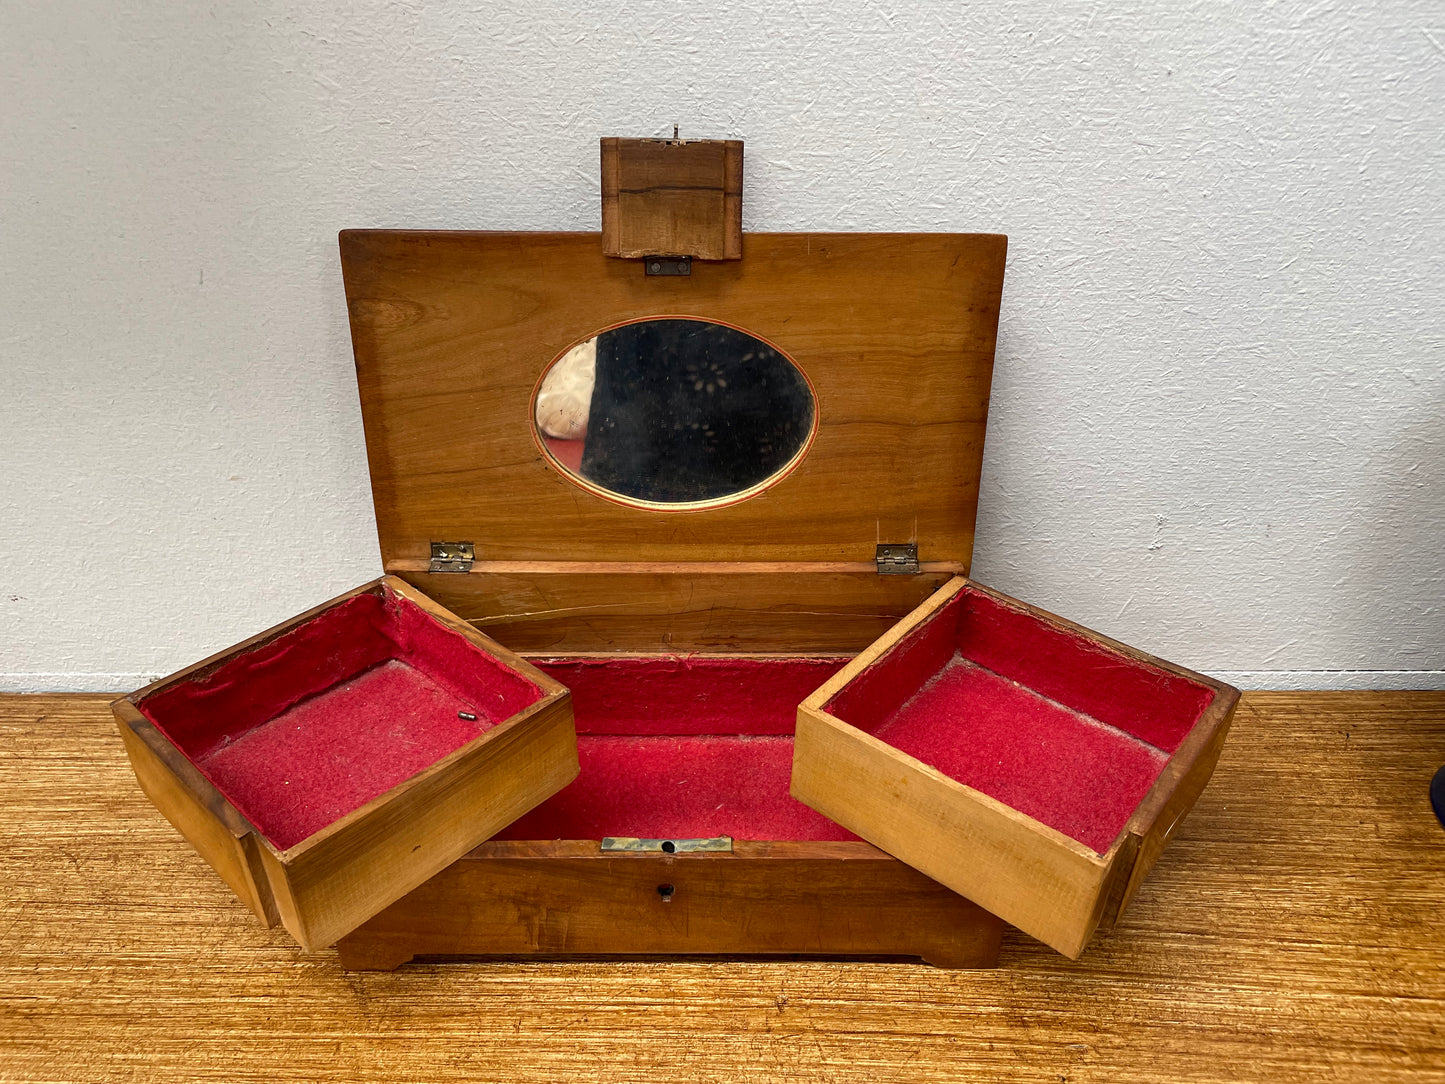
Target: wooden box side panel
1183,778
627,904
339,878
791,612
1031,876
1174,795
672,198
452,332
234,857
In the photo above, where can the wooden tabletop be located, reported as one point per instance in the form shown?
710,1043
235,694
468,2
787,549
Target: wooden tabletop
1294,930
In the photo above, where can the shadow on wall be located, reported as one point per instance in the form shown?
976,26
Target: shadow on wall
1396,578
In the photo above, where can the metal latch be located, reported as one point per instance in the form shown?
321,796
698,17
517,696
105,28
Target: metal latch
451,557
667,265
668,846
898,559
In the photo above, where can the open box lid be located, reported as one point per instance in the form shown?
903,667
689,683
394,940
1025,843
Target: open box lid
453,332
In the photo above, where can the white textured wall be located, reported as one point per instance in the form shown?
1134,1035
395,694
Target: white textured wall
1217,421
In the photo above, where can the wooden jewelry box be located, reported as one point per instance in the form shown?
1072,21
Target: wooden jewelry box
703,528
689,633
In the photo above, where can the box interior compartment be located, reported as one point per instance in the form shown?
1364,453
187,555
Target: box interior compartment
683,747
1064,730
307,726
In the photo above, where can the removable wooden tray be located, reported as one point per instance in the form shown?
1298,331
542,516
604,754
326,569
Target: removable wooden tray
1029,763
331,764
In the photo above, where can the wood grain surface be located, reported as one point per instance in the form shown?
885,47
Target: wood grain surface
452,331
776,610
784,897
1293,930
664,197
340,875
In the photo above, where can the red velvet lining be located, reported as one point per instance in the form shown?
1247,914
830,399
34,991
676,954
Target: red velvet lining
1152,704
300,730
688,694
1058,766
316,722
683,748
688,787
1060,728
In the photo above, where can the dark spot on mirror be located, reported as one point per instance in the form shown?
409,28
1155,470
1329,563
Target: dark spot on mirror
675,411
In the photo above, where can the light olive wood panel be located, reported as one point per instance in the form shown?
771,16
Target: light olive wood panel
452,332
371,858
1291,931
1037,878
175,786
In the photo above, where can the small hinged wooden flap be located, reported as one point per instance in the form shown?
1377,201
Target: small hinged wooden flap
672,197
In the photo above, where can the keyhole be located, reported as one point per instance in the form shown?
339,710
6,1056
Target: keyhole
668,846
666,891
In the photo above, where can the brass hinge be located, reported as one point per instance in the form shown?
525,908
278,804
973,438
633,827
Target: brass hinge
451,557
898,559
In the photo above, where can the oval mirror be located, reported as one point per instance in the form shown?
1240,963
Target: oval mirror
674,412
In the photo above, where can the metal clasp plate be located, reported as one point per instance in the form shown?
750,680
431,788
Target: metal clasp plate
667,265
667,846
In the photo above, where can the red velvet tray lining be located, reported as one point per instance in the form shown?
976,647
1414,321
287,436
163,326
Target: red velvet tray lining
312,724
683,748
1056,726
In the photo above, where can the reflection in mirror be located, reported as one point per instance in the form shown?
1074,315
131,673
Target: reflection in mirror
675,411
